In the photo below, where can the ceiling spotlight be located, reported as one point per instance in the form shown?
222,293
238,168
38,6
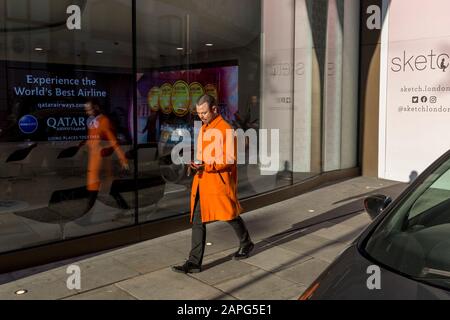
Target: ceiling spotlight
38,49
99,51
209,243
180,49
21,292
209,44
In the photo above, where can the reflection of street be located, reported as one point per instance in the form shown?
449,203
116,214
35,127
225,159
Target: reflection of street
176,197
31,221
50,193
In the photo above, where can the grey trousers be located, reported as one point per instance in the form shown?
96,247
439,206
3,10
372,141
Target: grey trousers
199,234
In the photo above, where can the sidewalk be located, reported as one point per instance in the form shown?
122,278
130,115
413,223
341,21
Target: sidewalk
295,241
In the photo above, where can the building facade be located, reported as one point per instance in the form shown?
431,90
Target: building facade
291,67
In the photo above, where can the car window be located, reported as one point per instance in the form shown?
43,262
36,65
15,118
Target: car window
438,192
414,239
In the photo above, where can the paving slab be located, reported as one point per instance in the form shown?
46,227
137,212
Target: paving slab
44,286
304,273
102,272
337,232
221,267
261,285
111,292
314,246
152,258
166,284
274,258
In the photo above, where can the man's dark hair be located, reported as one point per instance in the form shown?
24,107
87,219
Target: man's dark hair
96,105
209,99
94,102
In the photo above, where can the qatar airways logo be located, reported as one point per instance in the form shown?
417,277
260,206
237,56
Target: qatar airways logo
67,123
407,62
92,123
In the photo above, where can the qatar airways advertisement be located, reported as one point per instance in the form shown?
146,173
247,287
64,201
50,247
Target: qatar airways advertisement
415,91
48,104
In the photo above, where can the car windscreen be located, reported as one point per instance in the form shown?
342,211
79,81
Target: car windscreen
414,239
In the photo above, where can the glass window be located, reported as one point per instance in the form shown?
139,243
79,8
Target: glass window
277,94
414,238
64,163
309,85
186,50
282,70
340,113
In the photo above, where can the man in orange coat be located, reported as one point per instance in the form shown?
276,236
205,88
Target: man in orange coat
214,186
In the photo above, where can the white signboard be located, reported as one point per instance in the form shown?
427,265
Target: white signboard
415,101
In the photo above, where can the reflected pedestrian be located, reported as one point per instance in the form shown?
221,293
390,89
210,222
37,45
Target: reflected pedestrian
101,144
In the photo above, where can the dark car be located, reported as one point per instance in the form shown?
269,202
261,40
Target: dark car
404,253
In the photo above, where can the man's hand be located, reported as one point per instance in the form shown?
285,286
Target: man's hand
125,169
197,167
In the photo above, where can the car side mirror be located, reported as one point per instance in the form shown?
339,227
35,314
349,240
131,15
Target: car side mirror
375,204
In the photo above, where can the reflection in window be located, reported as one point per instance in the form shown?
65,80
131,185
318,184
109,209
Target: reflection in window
46,136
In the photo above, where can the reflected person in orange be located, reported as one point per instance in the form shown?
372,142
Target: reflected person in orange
101,144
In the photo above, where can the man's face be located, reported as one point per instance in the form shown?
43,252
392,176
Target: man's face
205,113
89,108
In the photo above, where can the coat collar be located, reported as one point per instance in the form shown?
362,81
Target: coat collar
213,123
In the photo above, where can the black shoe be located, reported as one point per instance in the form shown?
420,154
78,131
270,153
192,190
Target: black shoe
187,267
244,252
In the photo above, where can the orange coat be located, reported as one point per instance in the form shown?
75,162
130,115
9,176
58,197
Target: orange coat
218,182
100,138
